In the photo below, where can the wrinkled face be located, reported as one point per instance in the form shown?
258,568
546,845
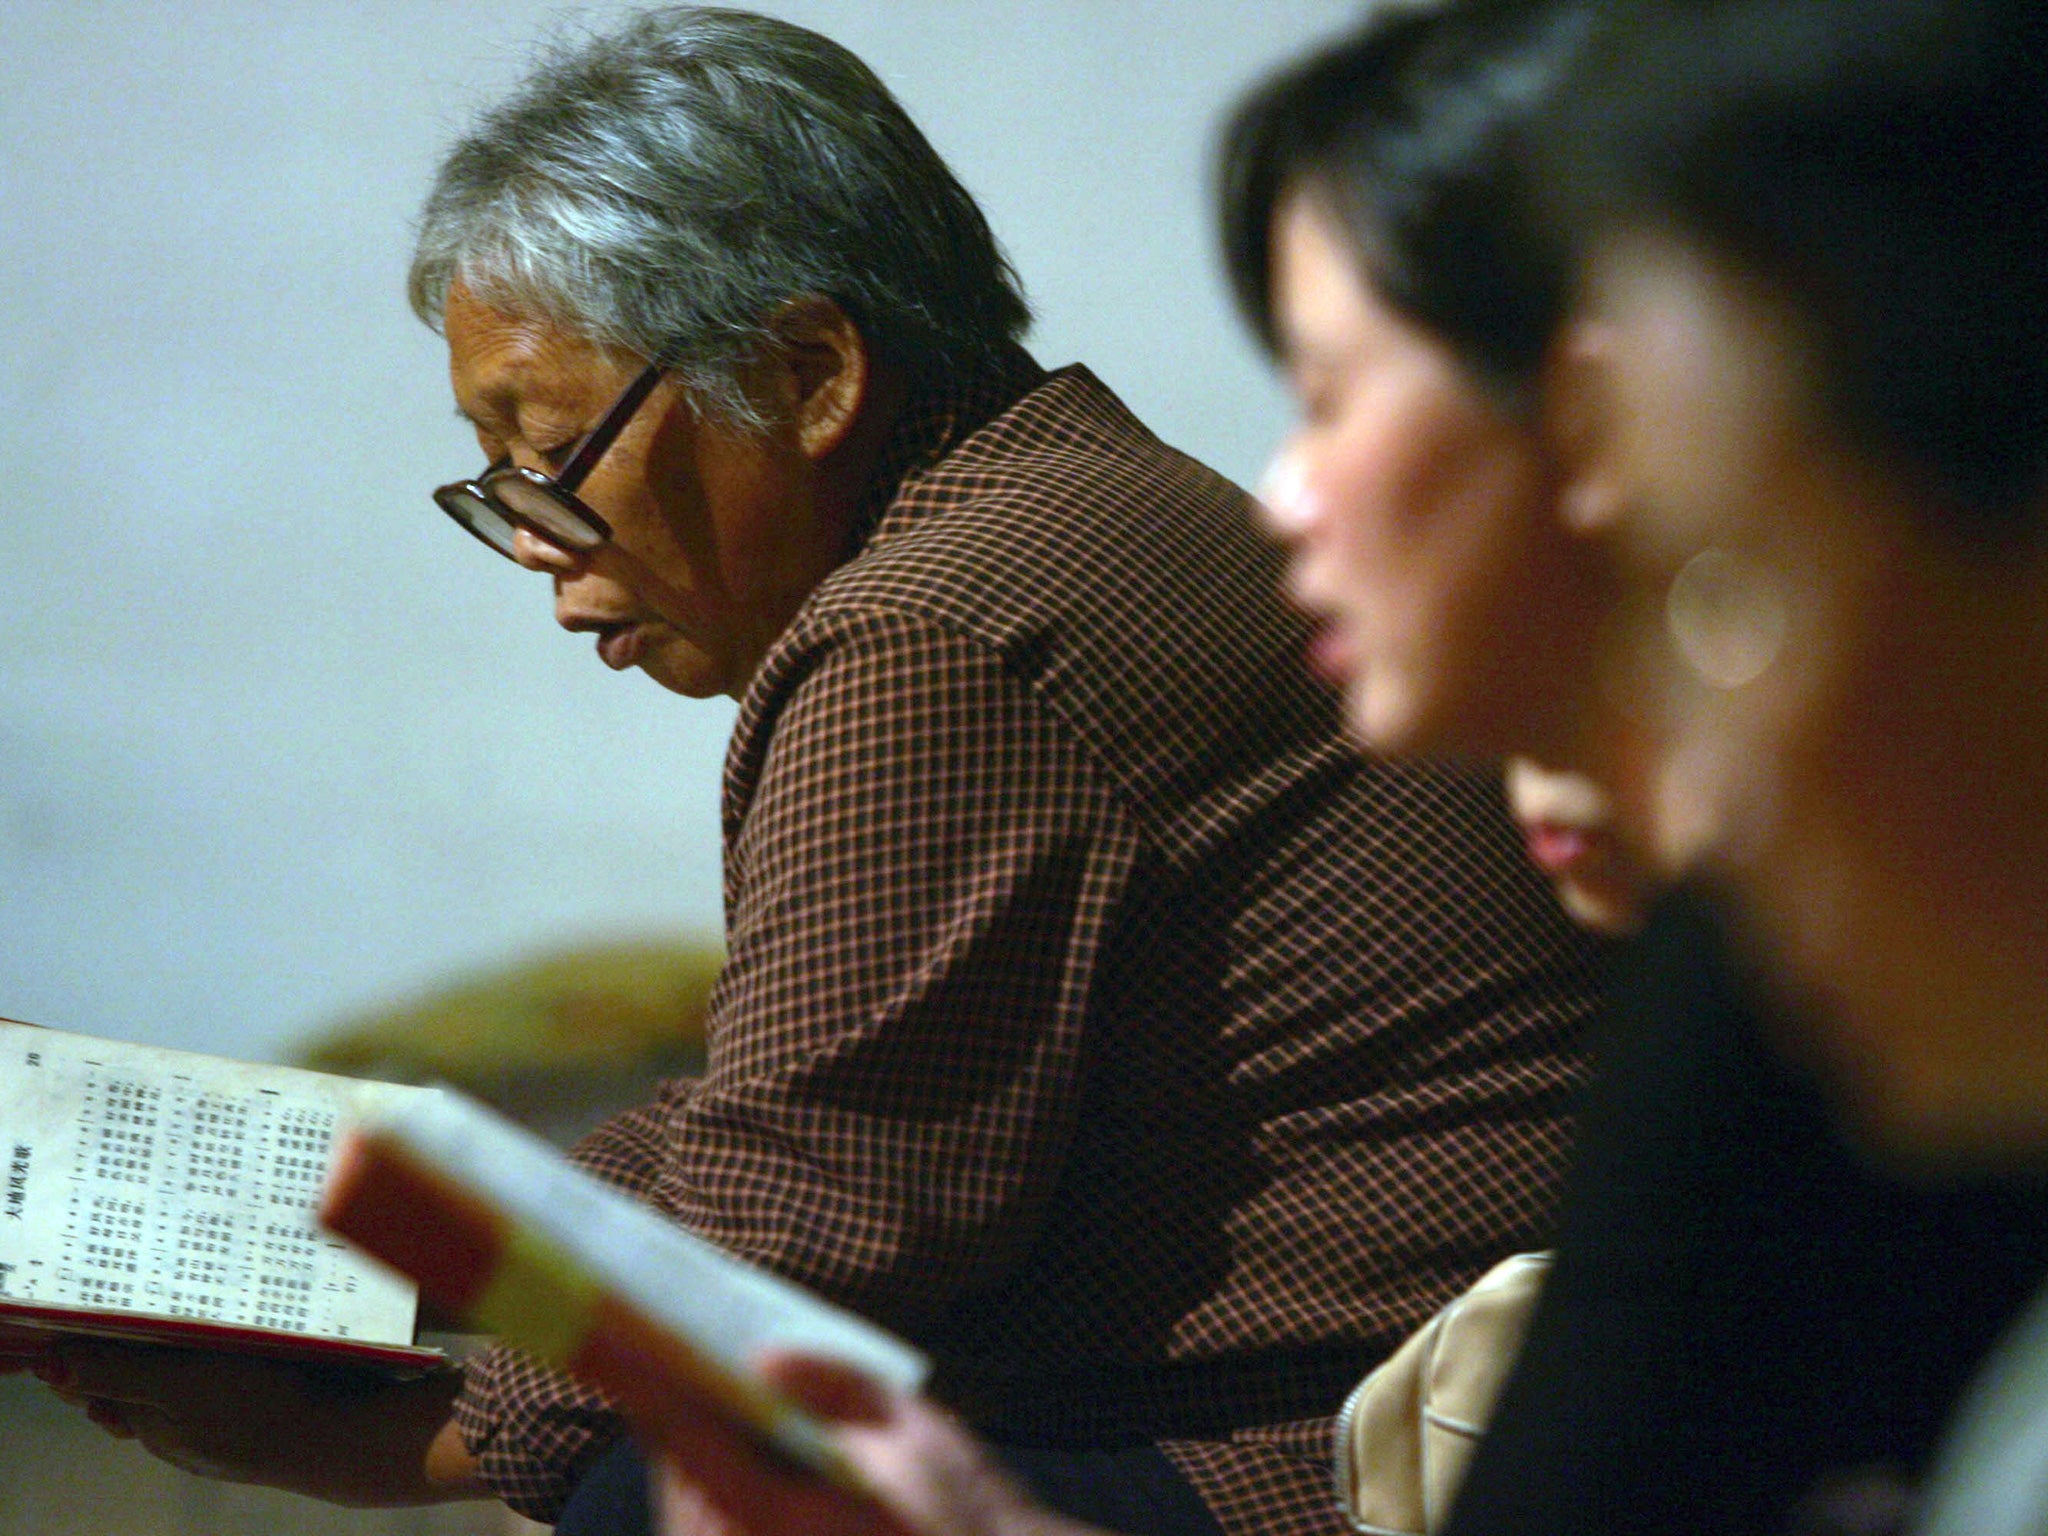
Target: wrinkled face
1419,513
718,534
1846,715
1568,824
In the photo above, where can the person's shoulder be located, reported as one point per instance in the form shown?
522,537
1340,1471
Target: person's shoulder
1063,525
1070,444
1121,583
1071,418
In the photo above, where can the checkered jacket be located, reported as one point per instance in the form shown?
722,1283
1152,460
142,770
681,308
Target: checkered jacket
1092,1014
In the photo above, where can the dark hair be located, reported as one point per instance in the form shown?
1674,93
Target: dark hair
1882,165
1410,132
665,187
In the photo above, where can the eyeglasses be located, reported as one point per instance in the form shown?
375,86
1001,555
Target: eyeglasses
507,497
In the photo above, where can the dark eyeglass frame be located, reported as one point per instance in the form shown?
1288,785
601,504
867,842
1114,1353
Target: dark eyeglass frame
545,505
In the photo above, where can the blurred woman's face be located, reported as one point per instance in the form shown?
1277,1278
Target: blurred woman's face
1455,609
1847,718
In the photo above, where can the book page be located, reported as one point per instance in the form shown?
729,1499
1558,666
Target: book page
182,1185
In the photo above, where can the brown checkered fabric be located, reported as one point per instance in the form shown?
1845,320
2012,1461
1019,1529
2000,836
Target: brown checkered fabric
1092,1014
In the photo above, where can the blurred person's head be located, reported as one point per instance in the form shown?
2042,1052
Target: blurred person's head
1371,226
1813,363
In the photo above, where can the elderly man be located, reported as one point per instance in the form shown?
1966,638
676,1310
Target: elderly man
1092,1014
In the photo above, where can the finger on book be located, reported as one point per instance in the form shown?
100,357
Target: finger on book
745,1493
24,1354
828,1388
112,1417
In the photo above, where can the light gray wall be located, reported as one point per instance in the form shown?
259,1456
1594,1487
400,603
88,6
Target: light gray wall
276,743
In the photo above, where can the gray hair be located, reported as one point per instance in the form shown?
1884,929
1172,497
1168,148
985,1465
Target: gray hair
666,188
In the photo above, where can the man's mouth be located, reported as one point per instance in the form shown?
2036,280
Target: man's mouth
619,645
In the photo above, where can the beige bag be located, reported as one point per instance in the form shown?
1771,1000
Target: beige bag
1406,1433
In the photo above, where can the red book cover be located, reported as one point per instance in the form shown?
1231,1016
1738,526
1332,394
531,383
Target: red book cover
23,1321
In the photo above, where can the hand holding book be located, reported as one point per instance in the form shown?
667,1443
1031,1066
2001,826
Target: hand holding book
166,1197
500,1230
924,1472
786,1415
21,1347
349,1436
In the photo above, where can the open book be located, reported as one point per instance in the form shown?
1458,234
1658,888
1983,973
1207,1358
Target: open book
506,1234
167,1197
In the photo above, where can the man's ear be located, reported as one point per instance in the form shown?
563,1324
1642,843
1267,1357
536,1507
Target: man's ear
1578,421
825,369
